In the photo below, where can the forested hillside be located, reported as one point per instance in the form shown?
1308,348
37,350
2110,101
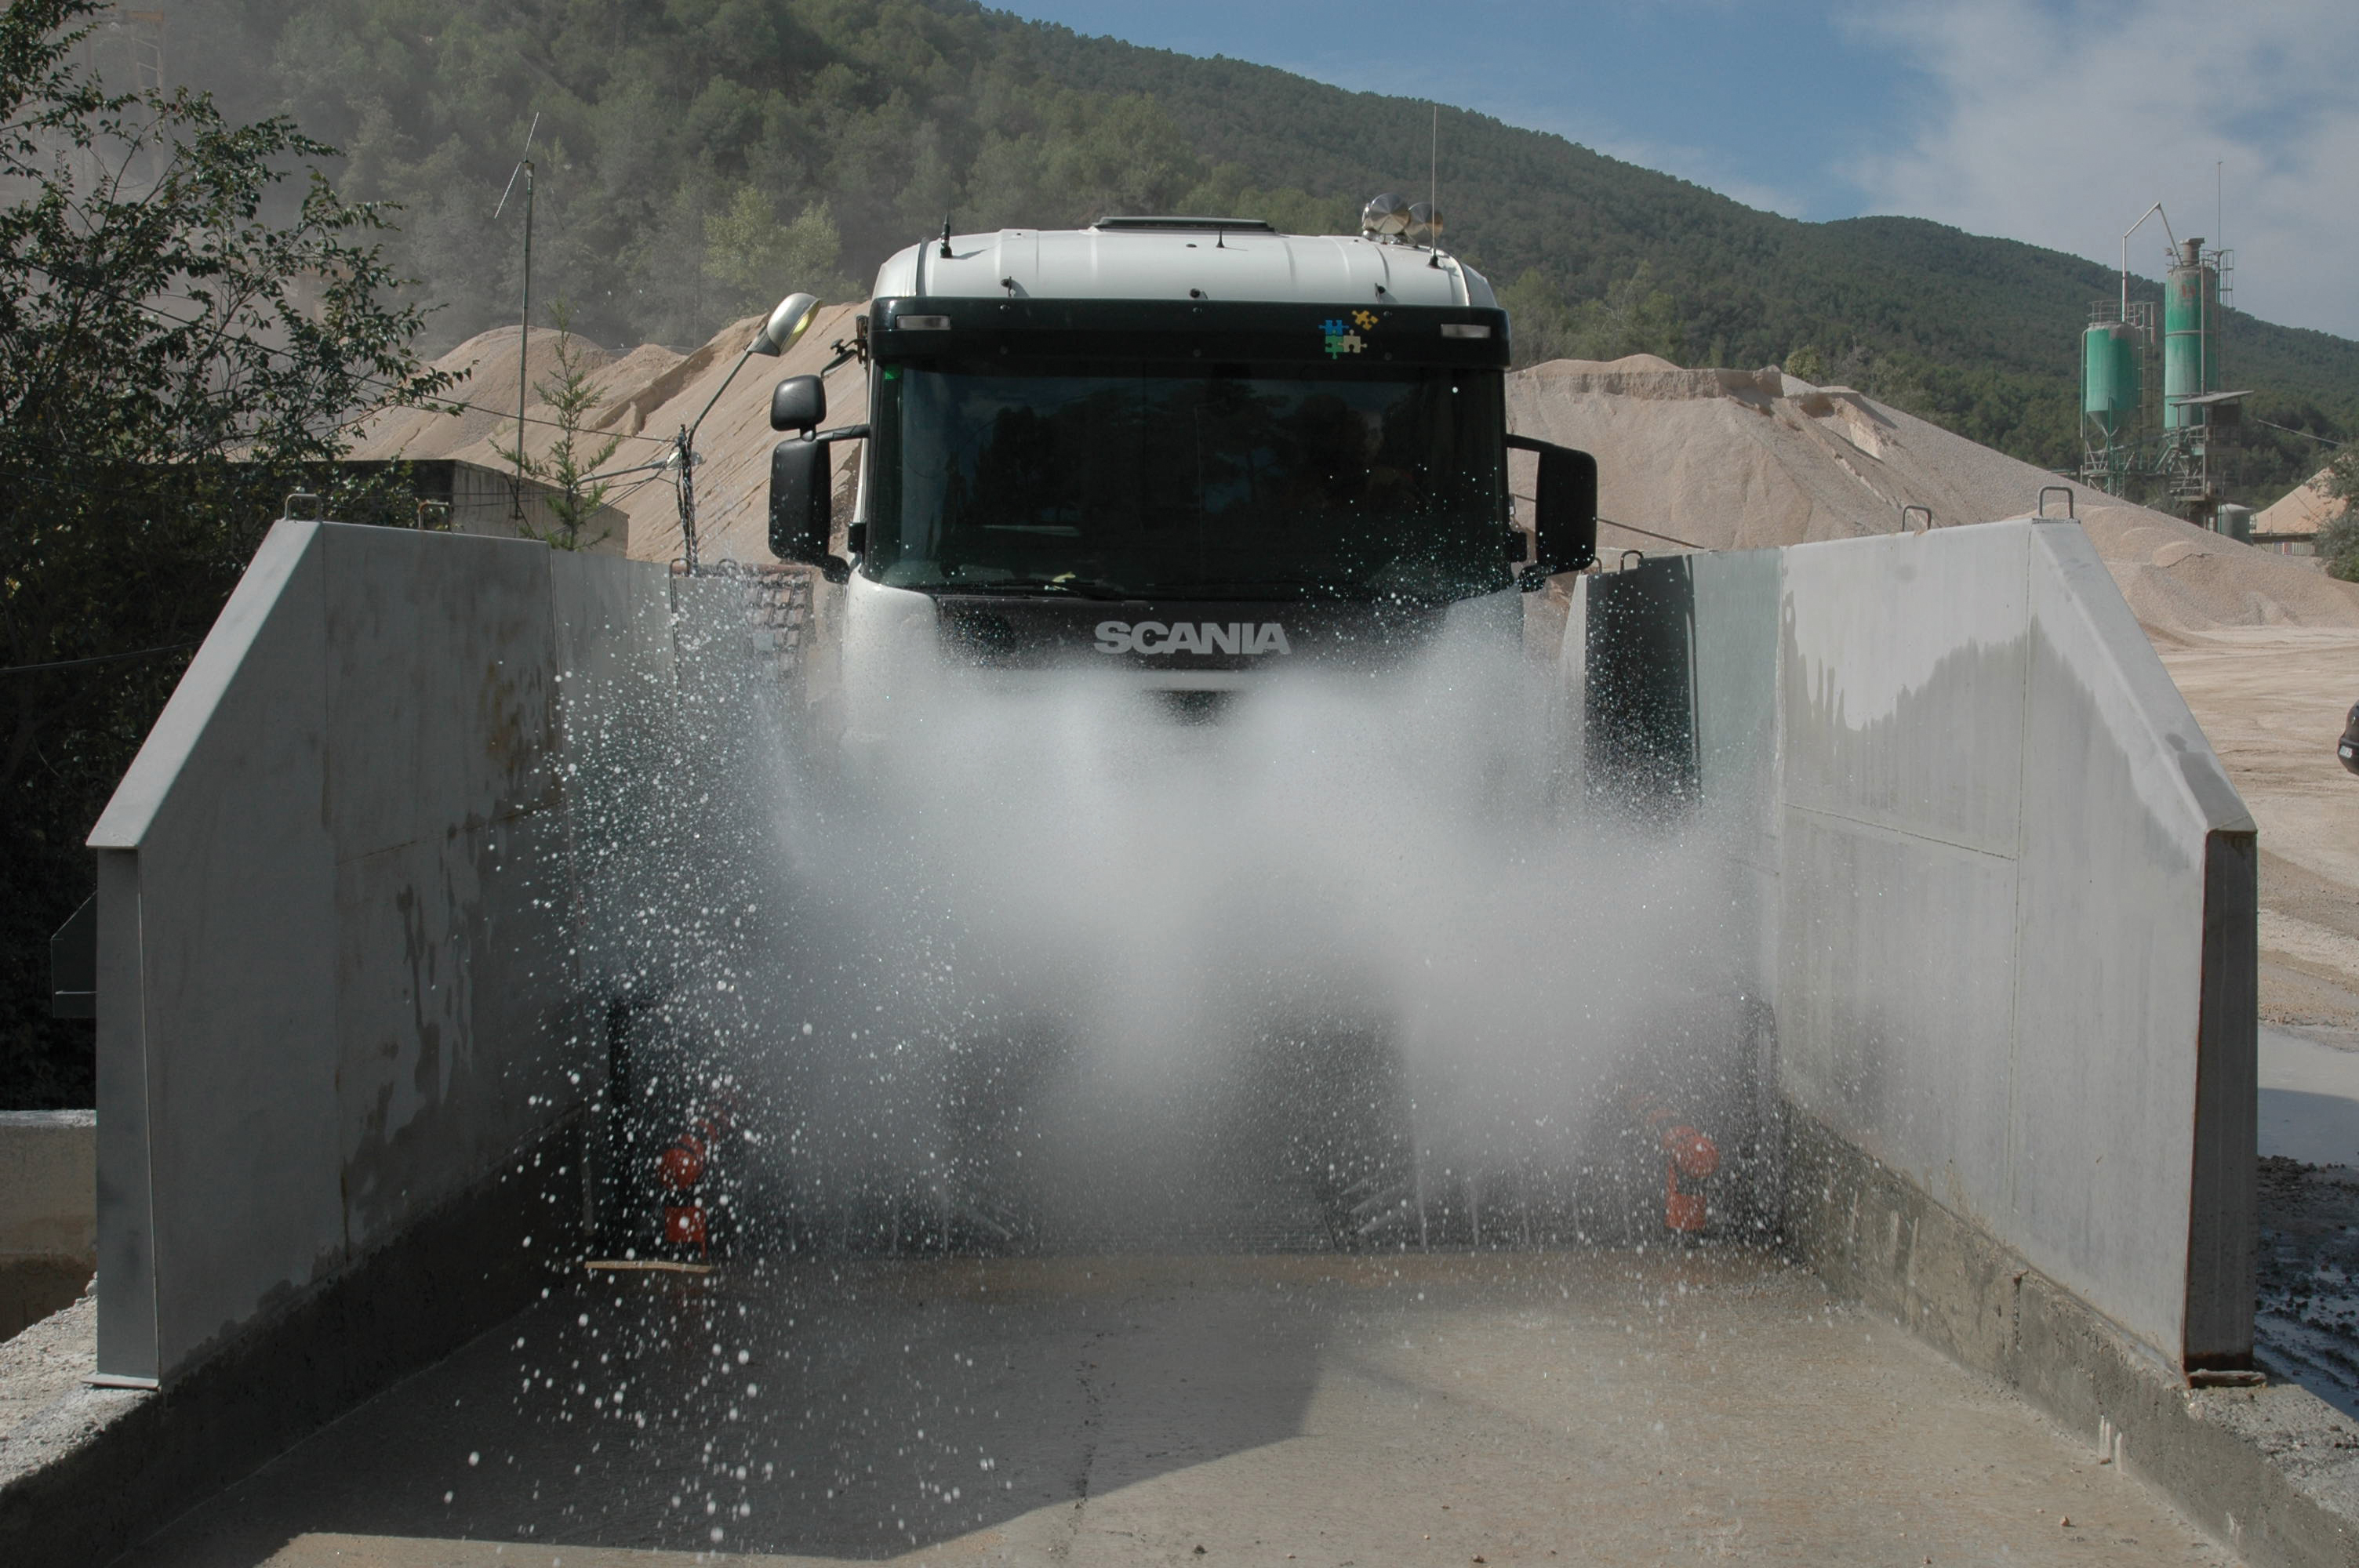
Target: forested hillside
695,160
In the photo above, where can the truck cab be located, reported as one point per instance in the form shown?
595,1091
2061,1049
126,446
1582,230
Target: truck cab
1178,452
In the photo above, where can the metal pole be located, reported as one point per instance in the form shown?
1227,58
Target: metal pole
524,338
687,500
2220,246
2132,228
685,447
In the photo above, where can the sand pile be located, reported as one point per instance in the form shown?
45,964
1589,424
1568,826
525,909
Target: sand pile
2182,581
2300,511
487,394
1722,459
1712,459
644,399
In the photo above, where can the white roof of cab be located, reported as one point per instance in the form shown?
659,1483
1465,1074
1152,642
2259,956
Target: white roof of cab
1181,264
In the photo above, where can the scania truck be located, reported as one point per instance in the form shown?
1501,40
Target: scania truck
1179,455
1184,450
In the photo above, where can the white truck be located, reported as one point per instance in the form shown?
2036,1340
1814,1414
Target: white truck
1181,449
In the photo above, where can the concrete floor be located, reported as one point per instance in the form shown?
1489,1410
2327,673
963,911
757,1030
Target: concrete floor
2309,1095
1604,1407
2271,700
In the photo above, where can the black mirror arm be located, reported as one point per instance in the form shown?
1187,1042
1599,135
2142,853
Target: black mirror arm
840,433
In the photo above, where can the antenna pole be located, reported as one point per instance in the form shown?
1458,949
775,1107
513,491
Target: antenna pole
524,315
524,338
1434,175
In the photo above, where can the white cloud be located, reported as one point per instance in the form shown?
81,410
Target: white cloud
2058,126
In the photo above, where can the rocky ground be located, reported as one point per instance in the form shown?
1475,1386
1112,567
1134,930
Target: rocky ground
2307,1323
37,1367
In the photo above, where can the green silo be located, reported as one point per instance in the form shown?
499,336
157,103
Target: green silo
2191,335
2109,377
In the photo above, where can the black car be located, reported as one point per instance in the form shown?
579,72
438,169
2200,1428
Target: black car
2348,747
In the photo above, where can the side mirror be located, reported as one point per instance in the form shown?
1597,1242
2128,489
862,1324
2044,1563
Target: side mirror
802,507
799,404
1564,511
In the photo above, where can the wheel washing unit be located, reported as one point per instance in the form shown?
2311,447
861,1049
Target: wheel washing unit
424,905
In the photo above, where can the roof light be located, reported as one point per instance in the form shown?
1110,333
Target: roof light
1385,215
1424,223
1185,225
1464,330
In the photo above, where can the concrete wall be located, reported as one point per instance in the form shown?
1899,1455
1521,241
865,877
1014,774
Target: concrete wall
49,1226
388,854
2008,903
351,899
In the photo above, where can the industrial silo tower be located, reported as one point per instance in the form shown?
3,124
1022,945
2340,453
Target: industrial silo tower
2194,407
2113,391
2119,439
2191,335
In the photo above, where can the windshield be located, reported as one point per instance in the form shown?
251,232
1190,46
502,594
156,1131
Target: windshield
1236,481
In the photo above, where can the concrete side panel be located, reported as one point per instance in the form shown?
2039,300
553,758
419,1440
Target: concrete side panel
1736,607
1933,623
286,554
2223,1227
618,718
455,1011
2176,775
441,675
614,658
711,648
1737,598
2010,919
338,961
2108,957
236,934
1893,999
1569,716
125,1193
454,983
1900,689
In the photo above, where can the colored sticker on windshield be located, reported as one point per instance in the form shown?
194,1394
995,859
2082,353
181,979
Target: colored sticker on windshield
1341,338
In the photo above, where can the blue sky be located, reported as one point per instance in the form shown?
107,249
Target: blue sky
2047,122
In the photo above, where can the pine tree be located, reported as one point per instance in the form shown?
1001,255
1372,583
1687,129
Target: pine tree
567,467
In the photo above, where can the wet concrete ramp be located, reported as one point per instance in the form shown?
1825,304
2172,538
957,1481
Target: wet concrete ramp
1603,1407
